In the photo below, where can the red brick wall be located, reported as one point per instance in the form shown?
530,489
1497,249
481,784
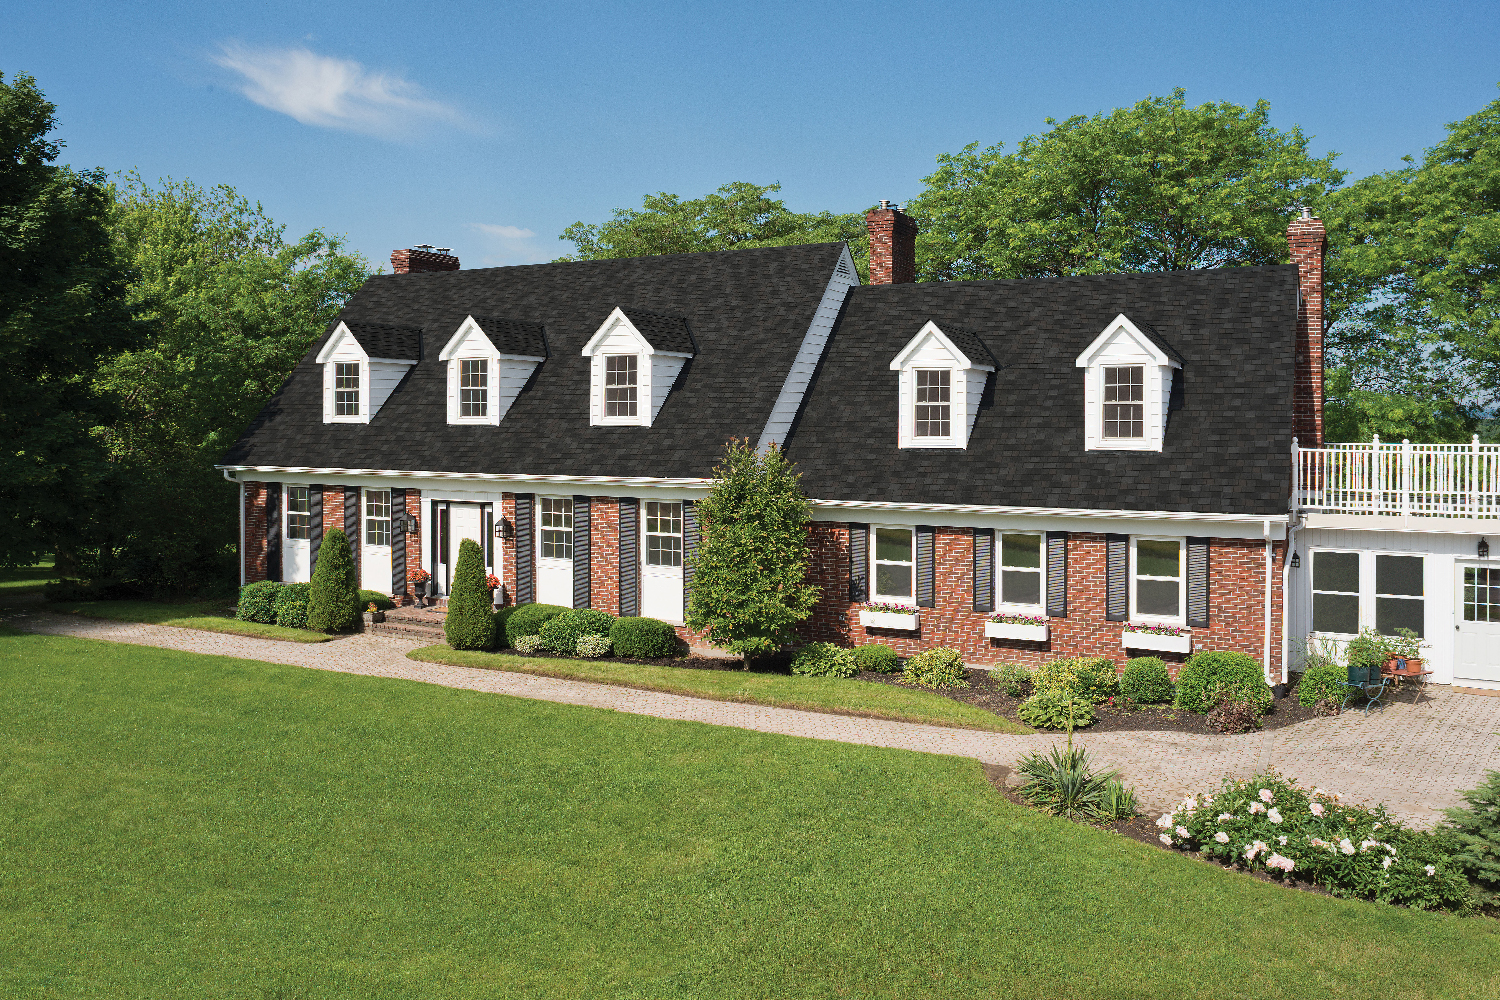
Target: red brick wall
893,246
413,547
1307,241
333,509
508,546
604,554
412,261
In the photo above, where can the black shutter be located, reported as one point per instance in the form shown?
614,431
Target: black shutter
434,559
1197,582
315,529
398,543
630,557
926,568
525,549
689,549
1057,574
351,528
859,562
984,569
273,531
581,558
1116,577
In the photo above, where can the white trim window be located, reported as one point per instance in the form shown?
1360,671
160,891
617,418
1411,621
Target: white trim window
555,518
1481,593
377,517
938,389
1127,389
1399,599
663,533
474,388
298,512
1124,394
1158,580
621,384
629,377
1022,570
933,417
1335,592
346,383
895,564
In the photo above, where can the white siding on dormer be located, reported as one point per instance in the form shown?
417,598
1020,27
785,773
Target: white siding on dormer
344,349
1123,344
931,350
655,371
664,372
384,377
513,378
974,382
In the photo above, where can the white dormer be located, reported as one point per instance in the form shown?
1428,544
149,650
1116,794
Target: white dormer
1127,389
483,379
355,384
631,371
940,385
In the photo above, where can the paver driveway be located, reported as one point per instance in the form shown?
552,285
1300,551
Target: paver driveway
1412,758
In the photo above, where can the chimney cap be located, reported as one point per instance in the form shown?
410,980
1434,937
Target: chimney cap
887,203
422,246
1306,212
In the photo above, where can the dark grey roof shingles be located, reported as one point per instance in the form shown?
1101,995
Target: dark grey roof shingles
511,336
663,333
383,340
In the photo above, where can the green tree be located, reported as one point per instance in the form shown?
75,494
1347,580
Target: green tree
1158,186
749,574
470,622
333,599
62,309
739,215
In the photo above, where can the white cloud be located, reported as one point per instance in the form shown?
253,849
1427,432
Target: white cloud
511,245
334,93
504,232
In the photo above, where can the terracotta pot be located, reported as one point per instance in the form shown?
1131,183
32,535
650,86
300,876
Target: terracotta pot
1413,666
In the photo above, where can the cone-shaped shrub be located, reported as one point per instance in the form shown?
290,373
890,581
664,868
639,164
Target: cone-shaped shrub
333,598
471,616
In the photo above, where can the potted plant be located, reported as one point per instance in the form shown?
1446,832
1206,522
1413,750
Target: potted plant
376,615
497,591
421,586
1404,645
1162,638
1028,628
897,616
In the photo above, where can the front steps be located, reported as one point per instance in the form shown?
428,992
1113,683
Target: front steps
412,623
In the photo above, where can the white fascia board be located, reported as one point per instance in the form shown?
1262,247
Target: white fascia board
468,328
340,333
520,357
961,360
472,476
1122,322
619,319
393,361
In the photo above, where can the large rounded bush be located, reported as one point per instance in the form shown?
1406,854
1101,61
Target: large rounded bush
824,659
333,599
1049,709
1208,675
381,601
1146,680
1090,677
291,605
877,658
528,619
470,622
1324,682
561,633
258,602
644,638
935,668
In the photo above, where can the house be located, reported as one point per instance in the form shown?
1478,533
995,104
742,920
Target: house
1107,462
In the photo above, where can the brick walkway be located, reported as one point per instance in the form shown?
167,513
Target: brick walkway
1412,758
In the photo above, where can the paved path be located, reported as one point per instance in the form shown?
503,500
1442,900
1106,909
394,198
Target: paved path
1412,758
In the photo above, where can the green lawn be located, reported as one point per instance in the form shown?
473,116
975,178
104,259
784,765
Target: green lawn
819,694
178,825
206,615
15,582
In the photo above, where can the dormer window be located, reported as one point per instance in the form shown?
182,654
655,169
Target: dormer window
489,361
634,359
362,365
620,375
346,389
1127,389
474,387
934,403
942,375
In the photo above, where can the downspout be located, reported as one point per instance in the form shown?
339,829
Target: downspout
1286,588
1266,632
241,485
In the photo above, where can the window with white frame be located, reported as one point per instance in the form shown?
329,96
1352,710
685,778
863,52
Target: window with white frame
473,387
1399,602
298,512
933,416
1481,594
895,562
663,533
556,515
1124,402
346,389
1157,579
621,374
1351,590
1021,569
377,517
1335,586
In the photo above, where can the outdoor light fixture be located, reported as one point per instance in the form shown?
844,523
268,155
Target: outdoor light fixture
1296,560
1484,549
504,529
408,523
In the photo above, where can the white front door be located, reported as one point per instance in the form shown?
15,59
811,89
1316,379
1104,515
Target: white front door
554,562
375,557
296,548
661,562
1476,643
464,521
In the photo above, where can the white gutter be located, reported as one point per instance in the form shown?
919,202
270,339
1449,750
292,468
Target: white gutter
1286,586
242,525
1266,631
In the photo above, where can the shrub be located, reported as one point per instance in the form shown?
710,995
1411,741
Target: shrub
1090,677
1323,683
1146,680
591,647
333,598
1476,830
824,659
502,615
1206,675
936,668
1063,782
878,658
1118,802
561,633
470,622
528,619
1014,679
258,602
291,605
528,645
1049,708
1233,714
1269,824
375,597
645,638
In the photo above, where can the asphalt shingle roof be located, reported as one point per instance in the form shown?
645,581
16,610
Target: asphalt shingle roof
514,337
382,340
663,333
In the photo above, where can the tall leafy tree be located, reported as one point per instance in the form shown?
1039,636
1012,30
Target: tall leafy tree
1158,186
62,309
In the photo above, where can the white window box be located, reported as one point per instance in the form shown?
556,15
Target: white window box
1161,643
1012,630
906,621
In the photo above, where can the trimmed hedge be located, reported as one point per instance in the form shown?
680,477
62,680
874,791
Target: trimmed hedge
1208,675
878,658
824,659
258,602
561,633
935,668
644,638
1324,682
470,622
528,619
333,601
291,605
1146,680
375,597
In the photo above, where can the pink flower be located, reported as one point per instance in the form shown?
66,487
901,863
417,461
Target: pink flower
1346,845
1387,862
1317,808
1259,847
1222,837
1224,816
1256,807
1281,841
1182,831
1430,870
1277,861
1164,820
1165,839
1274,815
1266,796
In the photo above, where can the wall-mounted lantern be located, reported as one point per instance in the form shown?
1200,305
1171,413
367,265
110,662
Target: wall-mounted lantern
1296,560
504,529
1484,549
407,523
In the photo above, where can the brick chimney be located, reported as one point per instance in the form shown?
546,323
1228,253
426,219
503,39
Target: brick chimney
893,245
423,257
1308,241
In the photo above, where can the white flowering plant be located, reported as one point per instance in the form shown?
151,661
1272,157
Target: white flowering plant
1271,824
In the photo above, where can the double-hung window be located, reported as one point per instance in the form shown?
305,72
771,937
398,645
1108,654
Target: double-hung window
1351,589
1021,569
474,387
620,383
1125,402
894,565
298,512
1398,594
663,533
1157,580
377,517
1335,585
557,527
346,389
934,406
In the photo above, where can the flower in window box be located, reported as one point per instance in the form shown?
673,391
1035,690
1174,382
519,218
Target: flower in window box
1152,628
893,609
1009,619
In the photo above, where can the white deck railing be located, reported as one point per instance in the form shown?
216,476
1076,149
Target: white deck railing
1405,480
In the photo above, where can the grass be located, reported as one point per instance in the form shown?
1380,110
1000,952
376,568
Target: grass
206,615
819,694
177,825
26,579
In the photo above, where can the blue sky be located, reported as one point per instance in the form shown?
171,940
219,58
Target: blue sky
490,128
